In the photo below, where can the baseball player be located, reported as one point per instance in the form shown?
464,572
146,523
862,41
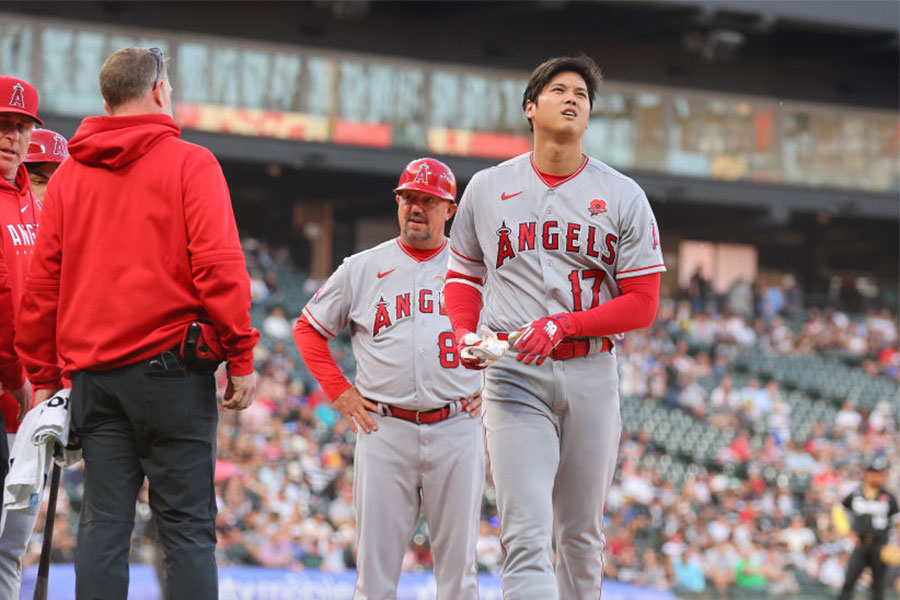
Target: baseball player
567,254
20,211
421,446
874,511
46,152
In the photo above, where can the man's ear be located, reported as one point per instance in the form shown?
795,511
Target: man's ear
107,108
157,93
529,109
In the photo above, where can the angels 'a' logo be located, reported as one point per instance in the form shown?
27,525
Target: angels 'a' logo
504,245
422,175
654,234
58,148
597,207
382,316
18,96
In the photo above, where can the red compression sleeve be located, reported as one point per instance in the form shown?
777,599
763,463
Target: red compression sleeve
462,301
317,356
634,309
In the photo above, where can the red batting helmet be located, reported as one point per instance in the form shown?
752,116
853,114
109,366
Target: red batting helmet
430,176
18,96
47,146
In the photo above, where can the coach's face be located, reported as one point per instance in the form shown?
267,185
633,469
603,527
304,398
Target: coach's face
15,134
422,218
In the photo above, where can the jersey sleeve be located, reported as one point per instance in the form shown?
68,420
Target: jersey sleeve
639,250
466,257
329,310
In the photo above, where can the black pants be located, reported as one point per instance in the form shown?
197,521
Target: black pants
159,422
864,555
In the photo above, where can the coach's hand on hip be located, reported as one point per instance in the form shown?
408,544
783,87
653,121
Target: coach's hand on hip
240,392
355,409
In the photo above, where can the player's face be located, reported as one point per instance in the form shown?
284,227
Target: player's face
422,218
40,174
562,107
15,134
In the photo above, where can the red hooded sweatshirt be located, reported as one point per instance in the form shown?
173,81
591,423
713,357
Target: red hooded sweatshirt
137,240
19,214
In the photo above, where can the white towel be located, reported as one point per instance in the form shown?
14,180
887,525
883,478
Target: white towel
29,463
53,426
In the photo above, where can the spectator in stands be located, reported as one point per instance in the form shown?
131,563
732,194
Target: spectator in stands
848,419
798,539
692,397
276,324
724,403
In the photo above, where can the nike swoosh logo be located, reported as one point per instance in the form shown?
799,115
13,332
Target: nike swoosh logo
24,208
505,196
383,273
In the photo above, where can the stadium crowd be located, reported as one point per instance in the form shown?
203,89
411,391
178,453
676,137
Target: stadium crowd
283,475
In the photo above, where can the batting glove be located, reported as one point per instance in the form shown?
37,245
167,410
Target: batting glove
537,340
479,352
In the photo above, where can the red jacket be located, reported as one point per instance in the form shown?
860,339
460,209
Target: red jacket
19,214
137,240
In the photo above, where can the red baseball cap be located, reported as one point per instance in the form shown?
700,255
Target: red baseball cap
18,96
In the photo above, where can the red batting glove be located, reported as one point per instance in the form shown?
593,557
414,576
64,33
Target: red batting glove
537,340
468,339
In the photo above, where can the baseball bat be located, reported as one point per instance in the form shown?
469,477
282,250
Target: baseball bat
43,575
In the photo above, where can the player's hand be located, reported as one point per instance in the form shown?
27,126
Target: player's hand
474,406
537,340
241,391
479,352
356,410
23,399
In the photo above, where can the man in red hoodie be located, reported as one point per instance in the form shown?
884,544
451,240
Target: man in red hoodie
19,212
138,241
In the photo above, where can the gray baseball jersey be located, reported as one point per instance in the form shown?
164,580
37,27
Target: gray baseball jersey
404,347
406,356
552,429
548,249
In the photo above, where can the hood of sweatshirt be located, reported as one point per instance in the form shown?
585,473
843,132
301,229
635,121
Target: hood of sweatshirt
23,183
115,142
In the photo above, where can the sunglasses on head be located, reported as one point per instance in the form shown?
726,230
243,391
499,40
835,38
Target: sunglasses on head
158,54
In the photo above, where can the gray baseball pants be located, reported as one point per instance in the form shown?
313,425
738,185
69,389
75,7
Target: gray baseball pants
552,436
402,468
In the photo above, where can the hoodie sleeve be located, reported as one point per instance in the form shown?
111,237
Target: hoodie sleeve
12,376
36,324
217,261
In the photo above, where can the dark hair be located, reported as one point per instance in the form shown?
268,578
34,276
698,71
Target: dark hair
582,64
128,75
